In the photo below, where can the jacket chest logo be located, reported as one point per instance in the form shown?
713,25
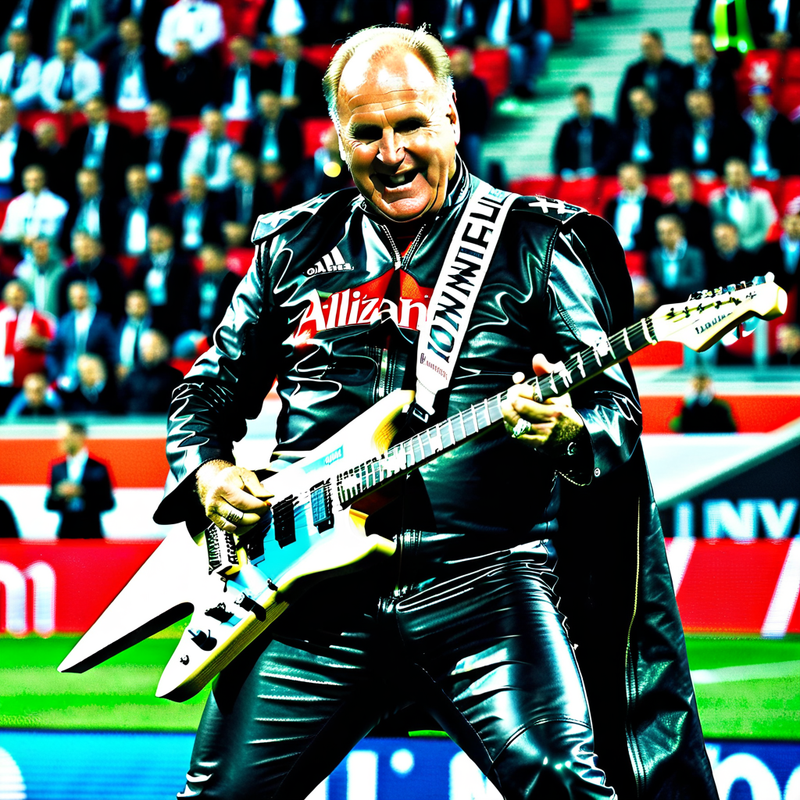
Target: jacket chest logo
332,262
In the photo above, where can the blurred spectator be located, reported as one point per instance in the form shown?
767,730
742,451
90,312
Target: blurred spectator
86,20
138,211
168,281
101,275
83,329
781,257
136,321
20,70
133,73
274,136
585,145
148,389
160,148
188,81
8,522
707,72
296,81
658,73
52,157
199,22
706,141
473,104
195,216
244,201
769,142
518,26
731,263
209,152
34,213
633,211
787,345
35,16
40,272
676,268
702,411
24,335
749,208
215,287
94,393
80,487
92,211
317,22
69,78
648,140
776,25
695,216
324,172
241,81
35,400
17,149
101,145
645,296
728,24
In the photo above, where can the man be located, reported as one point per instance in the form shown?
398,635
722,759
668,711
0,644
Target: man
101,145
676,268
35,400
295,80
209,152
148,388
274,137
242,81
475,107
20,70
52,157
34,16
647,140
17,149
465,624
215,287
658,73
40,271
633,211
244,201
80,487
92,211
711,74
138,211
585,145
195,217
731,262
769,142
25,334
197,21
695,216
188,81
69,78
133,72
160,148
748,207
781,258
702,411
137,320
94,393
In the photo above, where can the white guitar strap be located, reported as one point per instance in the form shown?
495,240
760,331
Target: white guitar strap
464,268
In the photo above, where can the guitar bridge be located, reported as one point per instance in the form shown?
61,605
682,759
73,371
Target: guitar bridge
322,506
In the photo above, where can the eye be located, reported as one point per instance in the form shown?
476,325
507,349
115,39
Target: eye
409,125
366,133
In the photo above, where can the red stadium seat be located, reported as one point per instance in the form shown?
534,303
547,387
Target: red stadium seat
658,186
584,193
787,100
235,128
547,186
263,58
313,128
775,189
188,125
3,209
637,262
703,189
28,120
492,67
134,121
127,264
791,64
558,19
758,67
320,54
239,259
791,189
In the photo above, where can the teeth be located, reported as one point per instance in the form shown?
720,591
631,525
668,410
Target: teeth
399,180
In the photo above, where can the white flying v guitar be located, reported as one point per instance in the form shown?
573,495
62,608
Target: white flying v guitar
315,526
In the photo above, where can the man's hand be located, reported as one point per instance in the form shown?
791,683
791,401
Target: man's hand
233,497
553,422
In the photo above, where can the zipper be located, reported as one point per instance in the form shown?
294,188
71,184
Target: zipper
631,688
383,374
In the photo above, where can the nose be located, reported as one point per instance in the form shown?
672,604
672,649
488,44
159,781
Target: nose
390,149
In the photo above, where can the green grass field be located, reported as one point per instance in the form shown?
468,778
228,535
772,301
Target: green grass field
746,688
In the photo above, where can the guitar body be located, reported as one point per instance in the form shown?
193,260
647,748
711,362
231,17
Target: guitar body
307,535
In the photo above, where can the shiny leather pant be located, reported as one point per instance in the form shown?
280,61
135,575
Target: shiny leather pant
475,639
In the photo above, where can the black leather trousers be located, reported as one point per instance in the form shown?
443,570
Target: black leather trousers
473,638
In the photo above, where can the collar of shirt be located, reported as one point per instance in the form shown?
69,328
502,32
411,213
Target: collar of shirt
633,197
76,465
674,255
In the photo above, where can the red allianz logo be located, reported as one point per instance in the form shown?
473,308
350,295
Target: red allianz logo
41,578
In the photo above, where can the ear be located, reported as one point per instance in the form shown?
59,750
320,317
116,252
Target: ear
452,116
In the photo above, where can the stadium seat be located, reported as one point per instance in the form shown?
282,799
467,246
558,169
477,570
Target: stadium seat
703,189
558,19
492,67
188,125
127,264
312,129
239,259
636,261
758,67
584,193
28,120
658,186
320,55
788,99
3,209
235,128
134,121
791,189
263,58
546,185
775,189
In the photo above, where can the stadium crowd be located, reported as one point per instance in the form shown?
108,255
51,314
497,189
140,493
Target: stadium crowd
140,140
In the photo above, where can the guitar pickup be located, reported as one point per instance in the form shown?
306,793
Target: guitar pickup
248,604
219,613
322,506
205,641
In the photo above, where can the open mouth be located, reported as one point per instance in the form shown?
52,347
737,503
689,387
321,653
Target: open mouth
396,181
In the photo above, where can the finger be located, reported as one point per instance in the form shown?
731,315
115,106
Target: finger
238,517
237,497
254,486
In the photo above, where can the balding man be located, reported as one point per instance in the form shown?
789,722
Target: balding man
463,621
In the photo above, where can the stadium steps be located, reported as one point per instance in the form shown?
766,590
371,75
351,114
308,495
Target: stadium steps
602,48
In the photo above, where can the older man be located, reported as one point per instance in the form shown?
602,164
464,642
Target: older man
462,621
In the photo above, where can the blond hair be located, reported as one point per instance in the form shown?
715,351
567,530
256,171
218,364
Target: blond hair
382,40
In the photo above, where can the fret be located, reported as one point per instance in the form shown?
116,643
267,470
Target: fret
627,340
469,424
446,434
646,331
416,450
495,410
434,439
482,415
579,361
425,443
537,390
596,353
457,426
553,383
409,453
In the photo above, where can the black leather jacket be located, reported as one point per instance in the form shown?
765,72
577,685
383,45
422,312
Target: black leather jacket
324,311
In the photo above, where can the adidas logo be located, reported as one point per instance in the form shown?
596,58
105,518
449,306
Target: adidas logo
332,262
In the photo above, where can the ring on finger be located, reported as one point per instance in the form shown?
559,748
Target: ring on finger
521,428
234,516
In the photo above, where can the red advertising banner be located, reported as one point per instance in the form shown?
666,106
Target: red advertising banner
721,585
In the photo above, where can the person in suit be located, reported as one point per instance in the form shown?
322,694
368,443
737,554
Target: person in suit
51,155
297,82
711,74
83,329
36,400
702,411
196,217
137,320
676,268
585,144
69,78
133,71
168,280
647,140
241,81
101,145
160,148
782,257
633,212
695,216
17,149
769,142
475,107
33,16
80,487
41,271
274,135
748,207
20,70
775,25
148,389
244,201
658,73
199,22
188,82
215,287
140,209
95,393
209,152
92,211
731,262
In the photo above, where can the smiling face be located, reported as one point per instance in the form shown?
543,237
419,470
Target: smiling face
398,132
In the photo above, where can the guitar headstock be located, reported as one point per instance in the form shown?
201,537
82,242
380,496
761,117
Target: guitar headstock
709,314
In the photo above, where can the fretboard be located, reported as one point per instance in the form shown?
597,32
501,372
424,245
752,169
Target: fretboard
423,447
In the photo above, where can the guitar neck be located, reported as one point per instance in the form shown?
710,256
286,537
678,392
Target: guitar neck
419,449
